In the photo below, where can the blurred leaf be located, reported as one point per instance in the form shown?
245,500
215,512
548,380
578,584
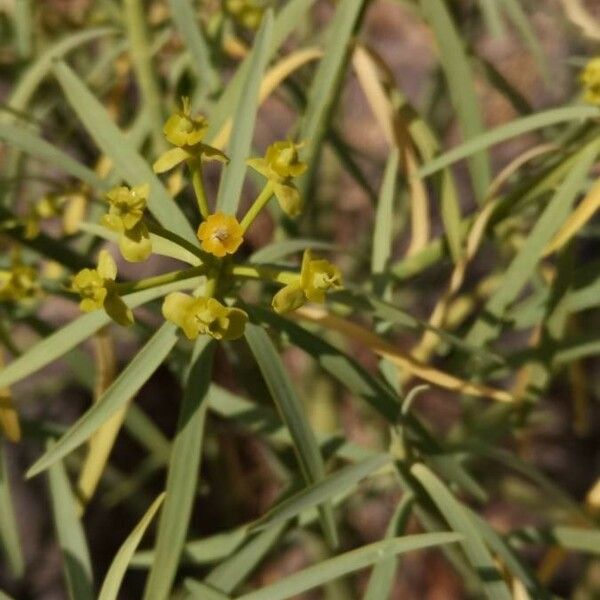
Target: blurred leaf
278,250
348,562
322,92
9,532
318,493
71,537
508,131
118,567
182,475
125,386
382,575
64,339
461,86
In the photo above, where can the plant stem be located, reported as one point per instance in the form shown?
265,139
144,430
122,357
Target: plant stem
264,273
260,202
195,166
151,282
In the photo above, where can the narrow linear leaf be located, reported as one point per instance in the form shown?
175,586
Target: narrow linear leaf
118,147
125,386
508,131
66,338
382,575
232,180
460,521
384,216
228,575
293,415
182,477
324,490
321,95
348,562
461,85
118,566
71,538
185,20
523,264
278,250
26,140
9,533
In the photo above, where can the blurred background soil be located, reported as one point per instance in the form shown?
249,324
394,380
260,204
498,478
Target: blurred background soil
239,482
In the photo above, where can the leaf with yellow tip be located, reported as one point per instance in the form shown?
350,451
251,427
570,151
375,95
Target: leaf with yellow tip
398,357
9,418
576,221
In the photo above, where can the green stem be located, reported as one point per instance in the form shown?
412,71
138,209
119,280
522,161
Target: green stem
264,273
260,202
129,287
195,166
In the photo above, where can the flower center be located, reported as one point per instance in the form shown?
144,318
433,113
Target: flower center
220,234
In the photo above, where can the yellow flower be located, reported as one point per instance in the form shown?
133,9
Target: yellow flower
181,129
125,216
220,234
590,78
248,13
280,165
317,277
204,316
18,283
186,133
97,289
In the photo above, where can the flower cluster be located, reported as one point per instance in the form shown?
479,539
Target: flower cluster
69,206
220,235
204,316
317,277
280,165
125,216
97,289
18,283
590,78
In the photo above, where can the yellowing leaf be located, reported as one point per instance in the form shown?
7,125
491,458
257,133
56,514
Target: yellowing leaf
398,357
9,418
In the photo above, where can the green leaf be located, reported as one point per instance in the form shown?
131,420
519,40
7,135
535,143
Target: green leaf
508,131
348,562
230,573
292,413
185,19
124,387
327,79
66,338
118,566
71,537
459,520
39,70
182,476
523,265
286,21
9,533
382,575
324,490
23,138
200,590
383,231
118,147
461,85
232,180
